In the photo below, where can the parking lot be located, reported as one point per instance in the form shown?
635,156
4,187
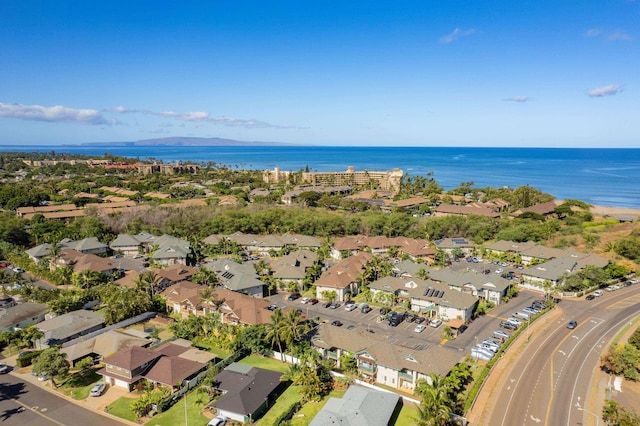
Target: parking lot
404,334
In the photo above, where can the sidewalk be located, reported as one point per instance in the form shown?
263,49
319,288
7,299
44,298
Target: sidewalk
97,405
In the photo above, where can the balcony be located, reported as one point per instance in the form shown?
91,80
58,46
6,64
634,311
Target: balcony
366,368
405,376
331,355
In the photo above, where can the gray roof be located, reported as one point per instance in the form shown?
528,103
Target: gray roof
470,278
293,265
171,252
170,241
91,243
417,288
430,358
125,240
359,406
554,269
245,391
40,251
233,275
14,315
69,324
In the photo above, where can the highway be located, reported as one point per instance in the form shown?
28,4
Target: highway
549,383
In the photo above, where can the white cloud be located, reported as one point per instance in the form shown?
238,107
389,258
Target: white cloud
519,99
593,32
617,35
609,90
53,114
200,117
456,34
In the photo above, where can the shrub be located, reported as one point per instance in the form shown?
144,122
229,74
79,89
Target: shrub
27,359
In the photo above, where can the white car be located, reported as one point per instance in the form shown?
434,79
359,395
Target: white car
304,300
514,321
435,323
217,421
351,307
598,293
420,328
98,389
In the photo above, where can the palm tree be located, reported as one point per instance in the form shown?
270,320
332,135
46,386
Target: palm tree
292,327
147,282
422,274
274,330
435,406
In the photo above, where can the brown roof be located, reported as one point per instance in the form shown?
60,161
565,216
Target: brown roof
542,208
175,273
85,262
171,370
131,358
344,272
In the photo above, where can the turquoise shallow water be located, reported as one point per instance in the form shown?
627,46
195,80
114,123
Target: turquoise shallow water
608,177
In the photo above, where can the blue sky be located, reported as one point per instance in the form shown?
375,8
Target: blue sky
412,73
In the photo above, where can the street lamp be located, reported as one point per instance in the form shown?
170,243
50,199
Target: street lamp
589,412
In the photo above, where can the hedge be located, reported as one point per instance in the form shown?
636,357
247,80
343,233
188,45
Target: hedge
27,359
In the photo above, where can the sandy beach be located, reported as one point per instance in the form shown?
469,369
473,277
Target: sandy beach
614,211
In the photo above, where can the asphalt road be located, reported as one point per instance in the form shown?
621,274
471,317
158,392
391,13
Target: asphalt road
24,404
550,382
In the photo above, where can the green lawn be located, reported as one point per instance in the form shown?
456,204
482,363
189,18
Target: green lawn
175,415
288,397
121,407
408,414
78,386
219,352
266,363
310,409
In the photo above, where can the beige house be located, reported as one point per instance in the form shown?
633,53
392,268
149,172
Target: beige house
343,278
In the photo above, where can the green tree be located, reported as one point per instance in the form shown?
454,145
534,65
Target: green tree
52,363
274,330
435,404
622,359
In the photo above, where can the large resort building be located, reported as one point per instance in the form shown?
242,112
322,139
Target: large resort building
388,180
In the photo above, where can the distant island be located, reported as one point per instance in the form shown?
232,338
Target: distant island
186,141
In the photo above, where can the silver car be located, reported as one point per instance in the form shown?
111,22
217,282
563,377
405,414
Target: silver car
98,389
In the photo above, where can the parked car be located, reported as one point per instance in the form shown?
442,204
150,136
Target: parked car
218,421
351,307
598,293
383,311
304,300
334,305
272,307
420,320
514,321
500,334
522,315
98,389
293,296
508,325
313,301
590,297
435,323
4,264
410,318
531,311
420,328
336,323
326,304
18,270
4,368
572,324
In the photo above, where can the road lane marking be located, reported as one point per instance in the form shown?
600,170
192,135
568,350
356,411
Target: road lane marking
35,411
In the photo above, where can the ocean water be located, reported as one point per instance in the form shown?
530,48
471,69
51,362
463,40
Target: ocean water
608,177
